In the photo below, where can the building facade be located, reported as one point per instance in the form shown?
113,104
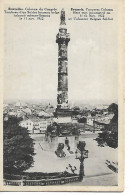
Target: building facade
34,126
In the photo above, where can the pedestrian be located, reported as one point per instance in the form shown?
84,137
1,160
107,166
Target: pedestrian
66,141
68,148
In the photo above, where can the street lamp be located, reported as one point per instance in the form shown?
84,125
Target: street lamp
81,154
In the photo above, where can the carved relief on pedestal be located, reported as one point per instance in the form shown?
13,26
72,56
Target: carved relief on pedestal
62,99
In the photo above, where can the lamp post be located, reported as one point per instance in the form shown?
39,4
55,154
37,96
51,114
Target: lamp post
81,154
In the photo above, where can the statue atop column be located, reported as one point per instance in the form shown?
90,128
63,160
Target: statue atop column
62,17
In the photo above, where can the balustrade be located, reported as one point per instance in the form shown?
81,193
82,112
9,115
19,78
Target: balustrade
43,182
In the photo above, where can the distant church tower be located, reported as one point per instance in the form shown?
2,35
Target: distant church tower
62,39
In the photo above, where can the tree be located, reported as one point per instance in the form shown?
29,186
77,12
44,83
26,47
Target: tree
110,135
108,138
113,108
18,147
53,129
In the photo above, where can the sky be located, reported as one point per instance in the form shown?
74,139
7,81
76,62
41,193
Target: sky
31,59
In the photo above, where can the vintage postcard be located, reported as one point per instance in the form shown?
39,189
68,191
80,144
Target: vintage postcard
62,95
